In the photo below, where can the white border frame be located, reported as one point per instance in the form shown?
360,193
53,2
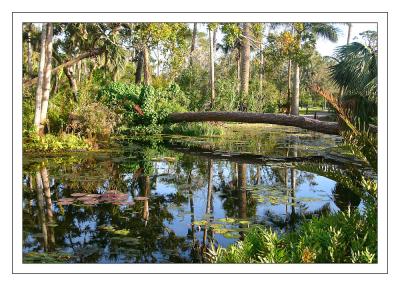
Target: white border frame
380,18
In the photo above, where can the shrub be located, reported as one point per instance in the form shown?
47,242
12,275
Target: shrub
344,237
155,103
51,143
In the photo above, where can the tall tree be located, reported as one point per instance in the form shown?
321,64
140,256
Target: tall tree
245,63
29,52
139,67
39,89
349,33
47,75
193,45
146,66
212,32
306,35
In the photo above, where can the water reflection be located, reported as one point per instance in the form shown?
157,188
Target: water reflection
148,205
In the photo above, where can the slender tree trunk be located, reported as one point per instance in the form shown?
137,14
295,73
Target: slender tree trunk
72,82
146,66
245,63
289,86
193,46
261,70
47,75
296,96
238,71
212,75
139,68
341,90
29,41
39,90
349,33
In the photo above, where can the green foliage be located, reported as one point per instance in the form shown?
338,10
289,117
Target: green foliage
52,143
156,104
51,257
345,237
194,129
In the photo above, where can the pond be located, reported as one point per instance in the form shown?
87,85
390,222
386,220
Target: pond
166,199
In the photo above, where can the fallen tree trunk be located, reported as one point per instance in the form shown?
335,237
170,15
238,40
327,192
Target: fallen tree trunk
249,117
67,64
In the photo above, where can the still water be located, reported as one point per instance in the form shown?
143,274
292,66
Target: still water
169,198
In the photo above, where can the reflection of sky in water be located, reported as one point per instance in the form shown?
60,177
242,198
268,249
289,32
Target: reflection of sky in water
169,182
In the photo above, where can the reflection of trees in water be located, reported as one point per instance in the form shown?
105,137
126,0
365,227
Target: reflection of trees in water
78,227
345,197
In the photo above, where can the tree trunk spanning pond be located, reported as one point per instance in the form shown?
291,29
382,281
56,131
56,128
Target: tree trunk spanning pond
247,117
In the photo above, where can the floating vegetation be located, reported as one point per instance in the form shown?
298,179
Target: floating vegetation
200,222
121,232
43,257
111,196
226,220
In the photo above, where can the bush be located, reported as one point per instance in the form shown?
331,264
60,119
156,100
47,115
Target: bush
155,103
344,237
93,120
51,143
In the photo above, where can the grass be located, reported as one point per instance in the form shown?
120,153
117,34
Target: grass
195,129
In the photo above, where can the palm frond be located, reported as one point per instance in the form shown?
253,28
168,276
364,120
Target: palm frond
356,70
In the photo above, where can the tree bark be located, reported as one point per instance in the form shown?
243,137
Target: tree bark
139,68
47,75
193,46
245,63
238,61
289,86
212,76
89,54
349,33
72,82
39,90
29,41
296,96
261,70
146,66
250,117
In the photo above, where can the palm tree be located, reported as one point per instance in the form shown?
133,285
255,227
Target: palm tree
356,73
306,35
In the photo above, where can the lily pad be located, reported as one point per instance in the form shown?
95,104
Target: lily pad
78,194
122,232
200,222
226,220
231,235
221,230
244,222
109,228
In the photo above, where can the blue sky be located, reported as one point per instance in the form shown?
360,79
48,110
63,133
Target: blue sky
324,47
